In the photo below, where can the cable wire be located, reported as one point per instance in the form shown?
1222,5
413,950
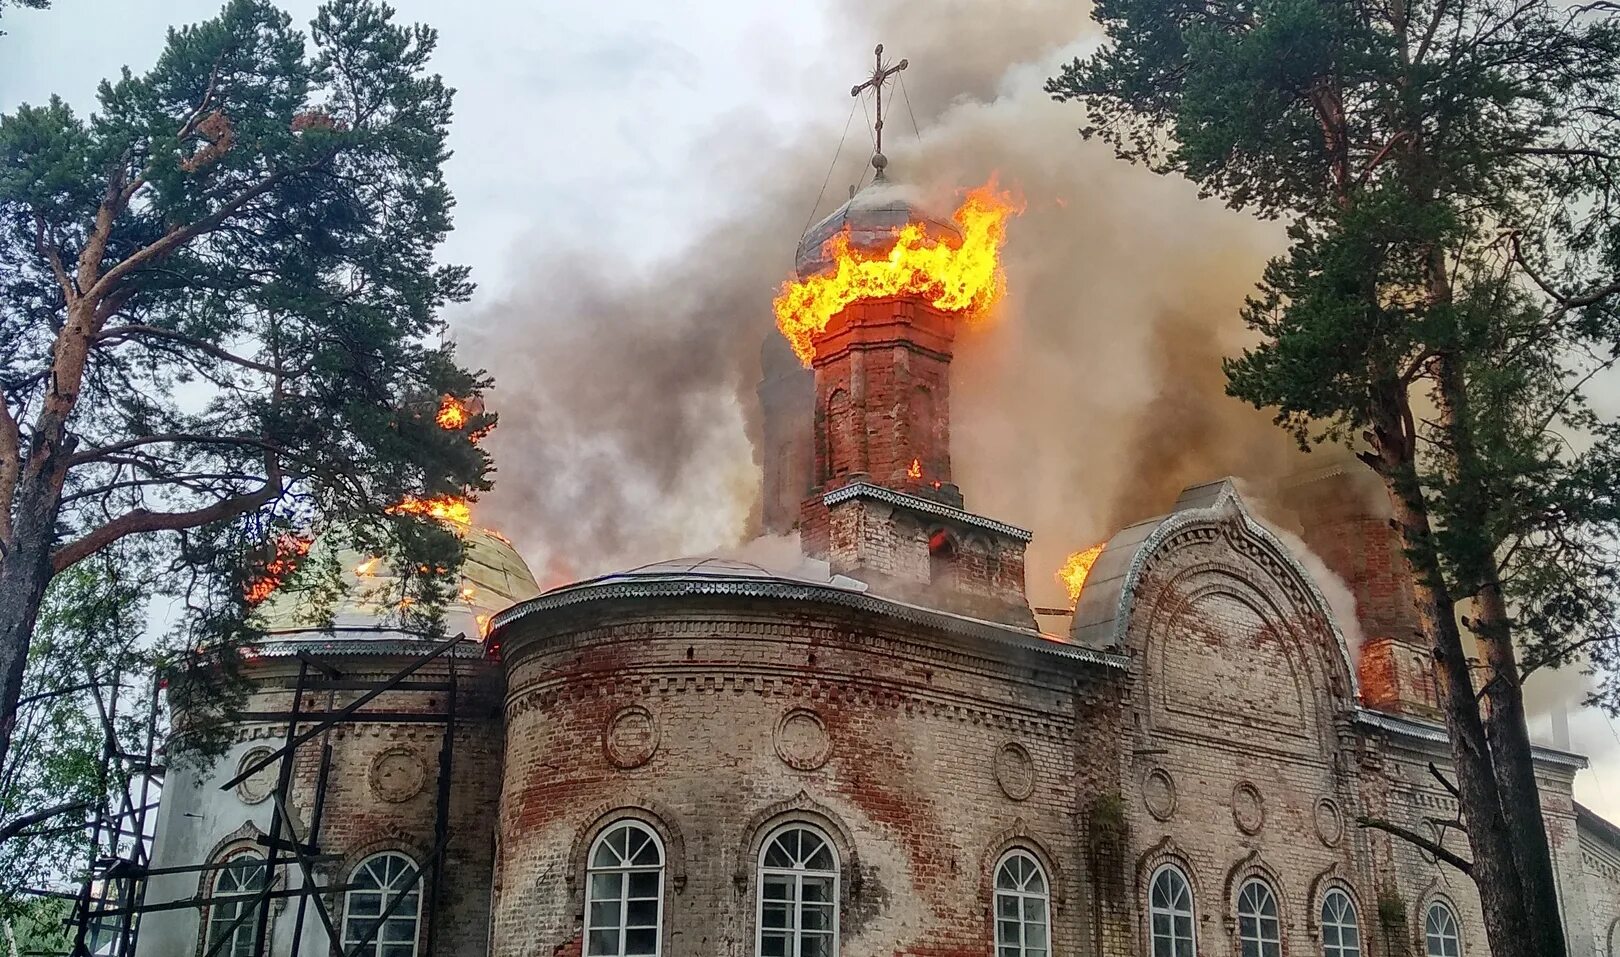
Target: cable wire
907,96
830,167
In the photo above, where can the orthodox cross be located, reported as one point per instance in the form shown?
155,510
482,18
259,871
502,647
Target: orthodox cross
880,75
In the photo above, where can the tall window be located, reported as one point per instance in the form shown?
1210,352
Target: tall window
234,890
1170,910
624,892
1341,934
379,881
1440,936
1259,930
1021,907
798,894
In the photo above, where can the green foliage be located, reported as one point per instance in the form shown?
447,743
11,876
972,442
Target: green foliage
92,629
1446,168
244,239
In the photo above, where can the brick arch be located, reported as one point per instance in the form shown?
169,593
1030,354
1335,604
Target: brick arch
1165,852
1253,867
800,807
1435,892
1018,838
1196,588
1330,879
1227,521
644,810
244,838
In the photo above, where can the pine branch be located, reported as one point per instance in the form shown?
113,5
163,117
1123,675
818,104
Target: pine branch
1418,840
118,333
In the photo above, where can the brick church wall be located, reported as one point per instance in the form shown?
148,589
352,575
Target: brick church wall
913,749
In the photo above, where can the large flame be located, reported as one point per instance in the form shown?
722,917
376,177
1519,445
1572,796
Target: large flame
448,508
1074,571
965,279
289,550
453,413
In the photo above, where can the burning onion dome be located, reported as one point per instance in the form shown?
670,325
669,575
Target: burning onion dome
493,577
873,218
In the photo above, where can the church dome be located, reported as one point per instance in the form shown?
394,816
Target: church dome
872,217
492,578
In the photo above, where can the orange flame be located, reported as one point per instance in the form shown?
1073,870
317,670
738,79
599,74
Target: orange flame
289,549
964,279
453,413
1074,571
368,568
448,508
915,472
483,625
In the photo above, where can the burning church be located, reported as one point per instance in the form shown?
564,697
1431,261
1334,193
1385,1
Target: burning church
881,749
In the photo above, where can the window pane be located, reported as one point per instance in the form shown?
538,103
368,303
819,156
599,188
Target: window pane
1006,906
641,913
606,887
817,946
818,890
603,942
604,913
641,941
644,884
773,945
816,918
774,916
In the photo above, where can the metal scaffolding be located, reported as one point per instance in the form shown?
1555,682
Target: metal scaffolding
111,899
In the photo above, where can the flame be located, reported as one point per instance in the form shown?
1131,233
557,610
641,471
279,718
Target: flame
483,625
1074,571
448,508
965,279
453,413
368,568
468,593
915,472
289,549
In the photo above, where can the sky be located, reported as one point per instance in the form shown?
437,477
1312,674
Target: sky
606,140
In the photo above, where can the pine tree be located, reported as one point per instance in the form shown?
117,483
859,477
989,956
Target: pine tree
220,314
1447,168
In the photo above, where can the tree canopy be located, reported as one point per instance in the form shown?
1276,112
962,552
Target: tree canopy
221,317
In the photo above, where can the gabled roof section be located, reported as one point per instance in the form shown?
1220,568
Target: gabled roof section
1104,609
1589,823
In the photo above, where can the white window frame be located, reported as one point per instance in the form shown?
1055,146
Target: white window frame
625,869
243,898
1252,894
1431,937
385,898
1021,947
798,874
1191,913
1348,917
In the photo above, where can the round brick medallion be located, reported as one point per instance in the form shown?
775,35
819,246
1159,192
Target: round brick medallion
631,738
1015,771
801,740
257,788
1248,808
1159,794
1329,823
397,775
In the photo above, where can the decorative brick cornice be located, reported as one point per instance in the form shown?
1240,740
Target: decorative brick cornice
889,496
613,588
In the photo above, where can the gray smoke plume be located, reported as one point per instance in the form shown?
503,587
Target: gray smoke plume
1090,400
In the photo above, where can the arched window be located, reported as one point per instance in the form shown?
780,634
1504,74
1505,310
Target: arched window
1259,930
232,916
798,894
1022,905
941,558
624,891
1440,934
379,881
1170,911
1341,934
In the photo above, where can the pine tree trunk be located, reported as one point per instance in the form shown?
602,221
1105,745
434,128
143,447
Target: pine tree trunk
1494,873
1504,717
24,573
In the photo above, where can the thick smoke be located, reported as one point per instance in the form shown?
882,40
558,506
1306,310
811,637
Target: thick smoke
1090,400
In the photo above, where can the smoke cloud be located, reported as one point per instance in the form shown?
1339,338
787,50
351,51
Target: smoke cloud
1089,401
